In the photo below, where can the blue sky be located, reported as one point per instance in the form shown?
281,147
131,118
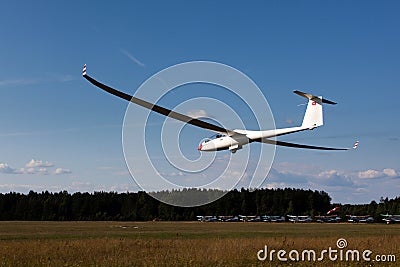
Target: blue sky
344,50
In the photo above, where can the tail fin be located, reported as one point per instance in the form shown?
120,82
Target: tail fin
313,117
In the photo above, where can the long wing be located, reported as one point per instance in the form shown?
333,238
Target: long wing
281,143
156,108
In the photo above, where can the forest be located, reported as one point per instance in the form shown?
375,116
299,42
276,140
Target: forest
140,206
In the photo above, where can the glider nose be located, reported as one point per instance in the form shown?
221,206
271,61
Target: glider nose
200,147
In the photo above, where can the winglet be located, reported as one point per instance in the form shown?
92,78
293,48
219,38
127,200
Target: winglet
84,70
355,145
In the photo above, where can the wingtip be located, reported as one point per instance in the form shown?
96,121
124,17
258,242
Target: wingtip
355,145
84,70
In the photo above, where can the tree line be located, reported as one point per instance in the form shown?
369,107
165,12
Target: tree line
139,206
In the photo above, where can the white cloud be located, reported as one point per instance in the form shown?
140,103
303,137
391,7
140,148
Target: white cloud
25,171
305,177
61,171
33,167
334,178
31,170
390,172
372,174
38,163
315,172
4,168
369,174
199,113
42,171
328,174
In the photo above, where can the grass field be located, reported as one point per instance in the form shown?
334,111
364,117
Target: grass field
185,243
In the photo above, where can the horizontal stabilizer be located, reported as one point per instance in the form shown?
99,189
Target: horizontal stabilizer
313,97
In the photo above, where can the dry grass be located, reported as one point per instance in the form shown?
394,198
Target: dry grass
180,243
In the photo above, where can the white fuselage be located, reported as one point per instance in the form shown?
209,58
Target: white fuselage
242,137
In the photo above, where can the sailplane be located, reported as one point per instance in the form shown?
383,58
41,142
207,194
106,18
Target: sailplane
233,140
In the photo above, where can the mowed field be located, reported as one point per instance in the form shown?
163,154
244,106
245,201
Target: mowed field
186,243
